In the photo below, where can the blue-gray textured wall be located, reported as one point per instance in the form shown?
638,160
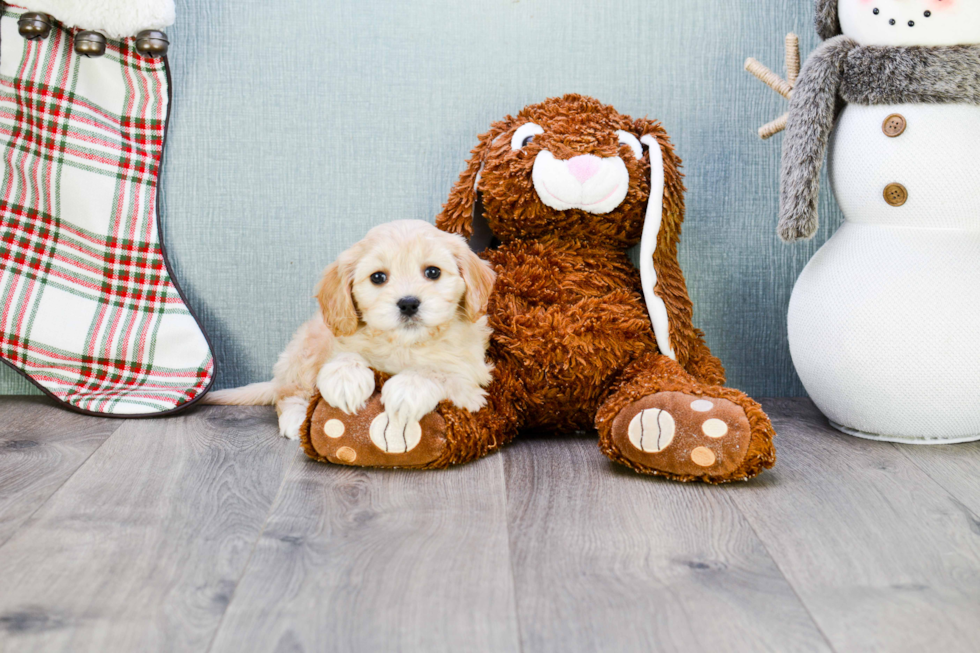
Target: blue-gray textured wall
299,124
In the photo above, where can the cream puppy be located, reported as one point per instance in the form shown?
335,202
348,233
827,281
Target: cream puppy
408,300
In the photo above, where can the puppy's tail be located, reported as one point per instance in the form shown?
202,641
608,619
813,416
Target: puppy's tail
253,394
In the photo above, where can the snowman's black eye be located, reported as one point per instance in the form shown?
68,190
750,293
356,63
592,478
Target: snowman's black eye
911,23
876,11
927,14
891,22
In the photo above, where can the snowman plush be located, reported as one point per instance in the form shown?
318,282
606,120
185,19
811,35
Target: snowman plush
884,321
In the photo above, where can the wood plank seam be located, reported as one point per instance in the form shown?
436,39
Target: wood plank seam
510,548
967,511
251,553
55,491
775,561
879,581
232,457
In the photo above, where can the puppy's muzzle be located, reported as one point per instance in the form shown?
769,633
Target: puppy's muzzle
408,306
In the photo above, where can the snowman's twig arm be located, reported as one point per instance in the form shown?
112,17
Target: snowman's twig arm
770,129
792,58
811,119
769,78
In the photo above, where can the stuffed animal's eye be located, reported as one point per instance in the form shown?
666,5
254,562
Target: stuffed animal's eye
378,278
432,273
626,138
524,135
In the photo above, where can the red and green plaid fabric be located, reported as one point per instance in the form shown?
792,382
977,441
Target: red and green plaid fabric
88,310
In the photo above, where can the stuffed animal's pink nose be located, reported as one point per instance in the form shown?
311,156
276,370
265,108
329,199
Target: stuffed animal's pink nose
584,167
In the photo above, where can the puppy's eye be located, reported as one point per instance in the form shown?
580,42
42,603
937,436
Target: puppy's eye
626,138
524,135
432,273
378,278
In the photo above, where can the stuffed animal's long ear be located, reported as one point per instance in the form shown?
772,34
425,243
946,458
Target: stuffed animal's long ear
334,292
457,213
664,288
479,277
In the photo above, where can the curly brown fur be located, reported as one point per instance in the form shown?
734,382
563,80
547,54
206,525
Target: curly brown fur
576,124
703,366
572,339
568,314
472,436
304,433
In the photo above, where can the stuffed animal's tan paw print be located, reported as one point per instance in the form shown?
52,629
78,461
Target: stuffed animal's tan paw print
683,435
372,437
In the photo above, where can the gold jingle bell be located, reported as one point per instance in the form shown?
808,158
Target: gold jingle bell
34,25
152,43
89,43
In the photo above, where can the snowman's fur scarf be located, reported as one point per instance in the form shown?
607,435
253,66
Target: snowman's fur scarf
812,110
117,19
840,71
932,75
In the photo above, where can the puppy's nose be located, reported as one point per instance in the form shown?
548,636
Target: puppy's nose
583,167
409,306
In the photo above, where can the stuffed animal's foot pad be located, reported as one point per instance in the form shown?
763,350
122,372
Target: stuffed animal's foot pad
371,438
391,436
652,430
683,435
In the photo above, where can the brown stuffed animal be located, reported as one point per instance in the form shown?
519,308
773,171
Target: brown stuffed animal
564,186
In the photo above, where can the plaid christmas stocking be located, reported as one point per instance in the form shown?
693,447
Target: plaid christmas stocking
88,309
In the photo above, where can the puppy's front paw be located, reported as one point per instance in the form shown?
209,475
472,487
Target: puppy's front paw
346,384
472,398
408,398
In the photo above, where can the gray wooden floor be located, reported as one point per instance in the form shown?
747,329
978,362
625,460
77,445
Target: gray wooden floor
207,532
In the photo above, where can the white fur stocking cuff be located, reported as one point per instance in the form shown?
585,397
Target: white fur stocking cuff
116,18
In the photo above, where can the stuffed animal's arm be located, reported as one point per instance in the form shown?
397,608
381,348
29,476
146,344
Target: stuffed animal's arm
811,120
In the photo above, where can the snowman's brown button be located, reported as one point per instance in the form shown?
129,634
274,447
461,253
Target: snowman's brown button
894,125
896,194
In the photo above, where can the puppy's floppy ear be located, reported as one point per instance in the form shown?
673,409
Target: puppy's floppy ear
457,213
479,277
334,292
